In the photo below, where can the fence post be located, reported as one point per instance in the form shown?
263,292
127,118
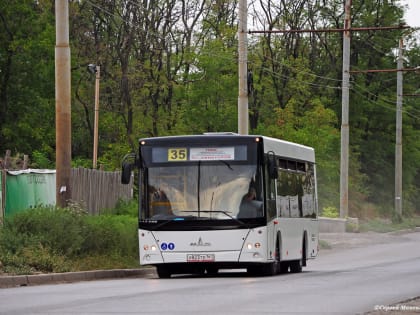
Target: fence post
25,162
2,195
7,159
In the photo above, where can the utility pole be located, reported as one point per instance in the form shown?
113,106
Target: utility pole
242,68
96,124
344,164
398,136
62,103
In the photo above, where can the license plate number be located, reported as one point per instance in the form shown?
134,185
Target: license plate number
200,257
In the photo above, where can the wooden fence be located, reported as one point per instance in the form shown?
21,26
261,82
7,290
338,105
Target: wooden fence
96,190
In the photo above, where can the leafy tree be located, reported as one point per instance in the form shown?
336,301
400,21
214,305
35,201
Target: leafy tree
26,76
170,67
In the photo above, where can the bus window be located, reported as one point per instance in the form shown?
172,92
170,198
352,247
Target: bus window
202,190
308,195
270,196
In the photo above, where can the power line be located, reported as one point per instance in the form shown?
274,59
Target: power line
335,30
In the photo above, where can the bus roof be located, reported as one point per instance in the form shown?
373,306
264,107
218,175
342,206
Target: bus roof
281,148
289,149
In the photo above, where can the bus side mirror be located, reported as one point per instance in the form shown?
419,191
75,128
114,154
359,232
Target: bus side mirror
128,164
126,172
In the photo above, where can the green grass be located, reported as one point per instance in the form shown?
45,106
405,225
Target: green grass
388,225
324,245
49,239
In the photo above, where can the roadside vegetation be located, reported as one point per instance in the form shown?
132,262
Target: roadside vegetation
383,225
179,75
48,239
381,222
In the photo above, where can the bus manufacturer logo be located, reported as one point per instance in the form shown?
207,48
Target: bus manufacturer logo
200,243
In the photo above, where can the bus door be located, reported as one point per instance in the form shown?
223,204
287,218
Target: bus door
271,204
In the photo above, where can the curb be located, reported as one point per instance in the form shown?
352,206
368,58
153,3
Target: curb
26,280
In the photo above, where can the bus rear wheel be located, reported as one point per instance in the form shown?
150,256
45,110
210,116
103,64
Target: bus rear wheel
296,266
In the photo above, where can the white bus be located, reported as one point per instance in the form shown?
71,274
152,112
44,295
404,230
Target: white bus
217,201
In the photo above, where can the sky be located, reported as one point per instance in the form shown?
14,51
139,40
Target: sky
412,15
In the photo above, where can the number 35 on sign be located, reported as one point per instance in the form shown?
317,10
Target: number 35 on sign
177,154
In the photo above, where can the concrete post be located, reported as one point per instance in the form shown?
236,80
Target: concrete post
344,165
62,103
242,69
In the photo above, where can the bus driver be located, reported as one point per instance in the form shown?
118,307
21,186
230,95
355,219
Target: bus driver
250,207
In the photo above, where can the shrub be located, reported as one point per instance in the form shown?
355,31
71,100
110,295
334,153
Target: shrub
55,240
124,207
110,234
330,212
58,229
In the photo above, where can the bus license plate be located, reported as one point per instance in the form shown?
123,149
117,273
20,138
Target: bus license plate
200,257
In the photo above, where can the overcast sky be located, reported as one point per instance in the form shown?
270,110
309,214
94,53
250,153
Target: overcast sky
412,15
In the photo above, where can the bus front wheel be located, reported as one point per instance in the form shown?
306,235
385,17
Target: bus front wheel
163,272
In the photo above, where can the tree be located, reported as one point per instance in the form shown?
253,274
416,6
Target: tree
26,76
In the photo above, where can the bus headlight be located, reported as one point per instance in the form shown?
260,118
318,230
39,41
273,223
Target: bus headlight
250,246
147,247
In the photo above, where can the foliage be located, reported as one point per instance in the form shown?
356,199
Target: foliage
386,225
41,160
330,212
170,68
57,240
124,207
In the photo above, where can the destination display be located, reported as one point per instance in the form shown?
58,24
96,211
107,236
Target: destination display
212,154
184,154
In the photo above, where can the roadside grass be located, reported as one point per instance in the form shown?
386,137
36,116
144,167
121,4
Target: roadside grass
324,245
49,239
104,262
381,225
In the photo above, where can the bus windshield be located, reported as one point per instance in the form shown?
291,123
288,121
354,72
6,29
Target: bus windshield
216,190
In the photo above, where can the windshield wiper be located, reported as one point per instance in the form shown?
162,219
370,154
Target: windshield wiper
217,211
227,164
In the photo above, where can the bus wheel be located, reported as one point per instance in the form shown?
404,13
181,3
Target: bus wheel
257,271
212,270
296,266
276,268
163,272
273,268
284,267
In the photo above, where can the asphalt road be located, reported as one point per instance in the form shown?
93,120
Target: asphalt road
359,274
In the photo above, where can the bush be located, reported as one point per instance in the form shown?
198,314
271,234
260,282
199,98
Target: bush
330,212
56,240
110,234
124,207
58,229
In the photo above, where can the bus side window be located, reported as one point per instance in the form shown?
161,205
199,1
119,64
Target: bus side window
308,198
282,193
